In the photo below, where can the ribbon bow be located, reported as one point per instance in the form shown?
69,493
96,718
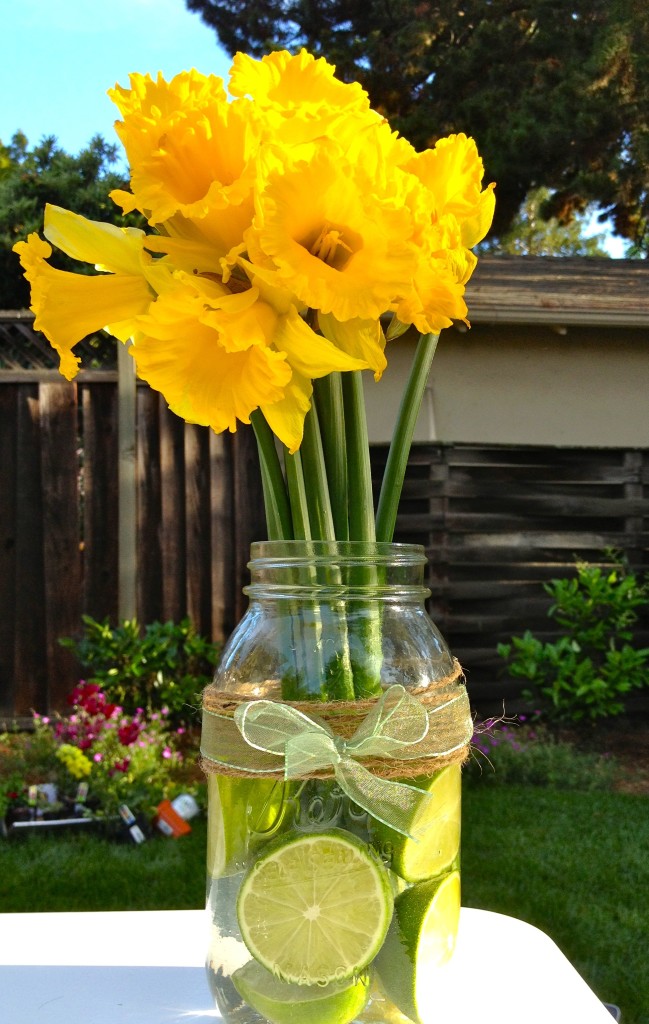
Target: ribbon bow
396,722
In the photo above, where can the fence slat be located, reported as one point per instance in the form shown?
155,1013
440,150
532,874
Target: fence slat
59,469
8,522
197,496
172,540
30,641
100,502
222,527
149,502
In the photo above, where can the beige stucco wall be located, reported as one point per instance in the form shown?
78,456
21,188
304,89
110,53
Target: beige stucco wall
524,385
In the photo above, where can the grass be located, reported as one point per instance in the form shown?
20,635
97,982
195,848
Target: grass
575,865
88,872
572,863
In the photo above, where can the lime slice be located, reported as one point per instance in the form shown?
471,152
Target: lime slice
315,908
242,811
421,937
437,824
283,1003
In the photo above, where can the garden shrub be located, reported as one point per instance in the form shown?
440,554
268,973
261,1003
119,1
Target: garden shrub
586,673
165,665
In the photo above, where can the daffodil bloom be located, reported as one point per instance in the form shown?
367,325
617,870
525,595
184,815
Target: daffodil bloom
68,307
289,217
338,248
217,356
191,154
451,213
299,94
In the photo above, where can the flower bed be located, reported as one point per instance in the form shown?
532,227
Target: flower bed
95,765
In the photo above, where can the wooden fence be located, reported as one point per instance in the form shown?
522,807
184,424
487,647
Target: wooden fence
496,521
198,509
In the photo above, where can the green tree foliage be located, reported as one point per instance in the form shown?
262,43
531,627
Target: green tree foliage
31,177
555,93
530,234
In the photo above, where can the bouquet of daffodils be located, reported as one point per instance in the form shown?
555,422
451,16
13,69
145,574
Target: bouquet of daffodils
293,234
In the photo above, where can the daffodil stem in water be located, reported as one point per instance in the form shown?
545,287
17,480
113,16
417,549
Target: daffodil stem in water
395,469
366,663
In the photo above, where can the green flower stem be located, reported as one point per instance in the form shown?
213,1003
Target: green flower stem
306,615
338,681
278,510
395,469
359,472
297,496
328,395
366,661
315,479
309,492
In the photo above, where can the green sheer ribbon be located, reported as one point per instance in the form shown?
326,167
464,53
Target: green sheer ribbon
278,736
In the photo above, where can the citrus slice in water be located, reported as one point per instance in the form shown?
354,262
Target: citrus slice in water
437,825
242,812
315,908
421,937
283,1003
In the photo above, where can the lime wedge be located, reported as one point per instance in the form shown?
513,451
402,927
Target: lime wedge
421,937
315,908
437,824
241,812
282,1003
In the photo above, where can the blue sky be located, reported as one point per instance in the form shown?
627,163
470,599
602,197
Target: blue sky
60,56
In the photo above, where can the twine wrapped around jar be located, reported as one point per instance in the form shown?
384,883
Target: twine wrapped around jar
364,745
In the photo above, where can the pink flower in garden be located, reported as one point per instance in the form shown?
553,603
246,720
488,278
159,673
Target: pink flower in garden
122,766
166,753
97,757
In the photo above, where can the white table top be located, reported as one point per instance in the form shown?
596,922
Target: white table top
146,967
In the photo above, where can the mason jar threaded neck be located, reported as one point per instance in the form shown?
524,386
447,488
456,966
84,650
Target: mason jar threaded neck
337,570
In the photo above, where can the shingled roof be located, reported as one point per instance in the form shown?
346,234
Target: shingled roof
559,291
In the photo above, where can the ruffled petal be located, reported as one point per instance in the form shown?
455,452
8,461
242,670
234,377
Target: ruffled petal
362,339
286,417
68,307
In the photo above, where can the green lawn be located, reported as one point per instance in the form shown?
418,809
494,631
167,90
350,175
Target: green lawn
575,864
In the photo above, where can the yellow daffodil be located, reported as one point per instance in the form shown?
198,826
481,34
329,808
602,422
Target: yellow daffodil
191,153
452,173
68,307
217,356
337,248
290,218
299,87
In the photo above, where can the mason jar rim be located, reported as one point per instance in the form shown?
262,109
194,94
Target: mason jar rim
266,553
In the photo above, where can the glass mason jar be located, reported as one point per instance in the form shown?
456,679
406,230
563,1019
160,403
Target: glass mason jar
322,912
